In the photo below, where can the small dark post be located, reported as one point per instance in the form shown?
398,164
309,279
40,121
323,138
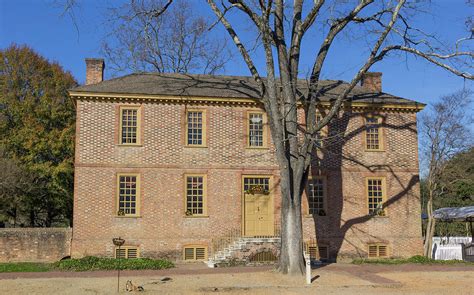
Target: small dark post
118,242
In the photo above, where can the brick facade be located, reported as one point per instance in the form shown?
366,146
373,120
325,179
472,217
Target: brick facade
94,70
162,159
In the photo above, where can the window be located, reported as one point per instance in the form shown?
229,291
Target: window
195,128
195,253
316,192
128,195
373,134
195,195
256,185
129,125
126,252
376,195
256,130
377,250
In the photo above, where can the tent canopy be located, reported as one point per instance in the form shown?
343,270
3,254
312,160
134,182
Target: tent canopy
455,214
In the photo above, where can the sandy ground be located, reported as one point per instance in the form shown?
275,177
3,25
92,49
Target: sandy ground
329,280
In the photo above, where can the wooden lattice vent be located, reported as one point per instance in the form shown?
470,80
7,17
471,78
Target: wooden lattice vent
195,253
126,253
378,251
315,251
264,256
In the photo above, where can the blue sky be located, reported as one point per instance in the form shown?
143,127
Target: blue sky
40,25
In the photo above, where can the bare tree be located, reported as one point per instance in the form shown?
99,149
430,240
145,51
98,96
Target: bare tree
151,36
444,132
280,29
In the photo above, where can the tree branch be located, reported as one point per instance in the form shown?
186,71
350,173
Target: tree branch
431,57
238,43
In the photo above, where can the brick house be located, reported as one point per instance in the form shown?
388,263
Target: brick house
182,166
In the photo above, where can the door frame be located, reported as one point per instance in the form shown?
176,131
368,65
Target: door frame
272,199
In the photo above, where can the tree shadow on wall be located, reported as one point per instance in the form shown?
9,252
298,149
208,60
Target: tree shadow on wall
336,157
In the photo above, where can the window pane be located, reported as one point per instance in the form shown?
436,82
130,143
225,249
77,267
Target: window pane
375,196
256,183
127,196
255,129
195,125
372,133
195,194
315,193
129,125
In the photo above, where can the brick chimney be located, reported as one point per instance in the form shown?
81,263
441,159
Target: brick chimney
94,70
372,81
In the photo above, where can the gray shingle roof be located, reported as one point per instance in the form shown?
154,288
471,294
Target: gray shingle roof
222,86
455,213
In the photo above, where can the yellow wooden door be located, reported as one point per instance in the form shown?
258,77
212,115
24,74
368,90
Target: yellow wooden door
258,215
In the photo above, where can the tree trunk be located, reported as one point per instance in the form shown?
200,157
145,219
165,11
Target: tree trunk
32,218
291,254
430,227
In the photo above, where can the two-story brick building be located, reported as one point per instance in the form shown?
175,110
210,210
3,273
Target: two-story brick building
180,165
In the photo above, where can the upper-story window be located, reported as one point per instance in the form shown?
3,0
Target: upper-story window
373,134
376,195
316,193
129,125
195,128
128,198
256,130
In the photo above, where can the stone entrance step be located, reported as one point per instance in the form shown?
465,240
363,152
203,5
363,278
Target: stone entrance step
243,249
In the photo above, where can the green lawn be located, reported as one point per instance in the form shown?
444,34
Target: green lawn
87,263
24,267
415,259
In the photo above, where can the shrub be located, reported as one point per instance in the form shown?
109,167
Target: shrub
418,259
97,263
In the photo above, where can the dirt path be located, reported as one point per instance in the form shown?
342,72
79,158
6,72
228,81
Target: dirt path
333,279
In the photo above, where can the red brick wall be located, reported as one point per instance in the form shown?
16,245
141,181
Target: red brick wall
162,160
34,244
94,70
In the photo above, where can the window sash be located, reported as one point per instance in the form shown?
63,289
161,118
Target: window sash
129,126
372,134
256,130
195,194
195,128
316,193
253,182
376,196
128,194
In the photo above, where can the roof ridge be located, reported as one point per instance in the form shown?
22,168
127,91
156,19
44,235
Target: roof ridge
211,76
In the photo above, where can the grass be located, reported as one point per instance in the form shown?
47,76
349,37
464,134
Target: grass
87,264
24,267
418,259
